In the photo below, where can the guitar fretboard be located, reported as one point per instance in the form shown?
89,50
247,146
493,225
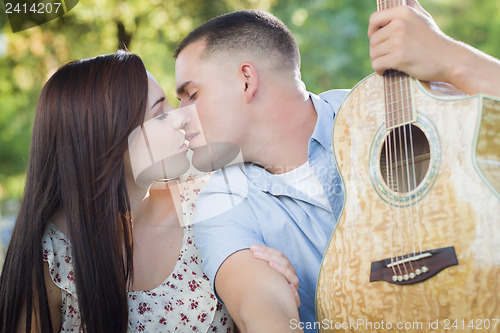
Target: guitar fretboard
399,108
397,86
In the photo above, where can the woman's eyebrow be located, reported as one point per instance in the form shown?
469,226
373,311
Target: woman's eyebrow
161,99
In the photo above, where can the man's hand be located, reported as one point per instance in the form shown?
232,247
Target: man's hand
407,39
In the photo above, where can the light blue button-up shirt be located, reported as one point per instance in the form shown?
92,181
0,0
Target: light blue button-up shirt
244,205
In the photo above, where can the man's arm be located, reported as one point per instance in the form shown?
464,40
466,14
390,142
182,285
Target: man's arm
406,38
257,297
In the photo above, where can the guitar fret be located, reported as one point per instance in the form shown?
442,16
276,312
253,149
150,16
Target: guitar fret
395,84
403,106
399,110
396,113
398,101
398,94
386,4
403,117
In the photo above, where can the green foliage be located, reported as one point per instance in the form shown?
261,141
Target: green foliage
331,35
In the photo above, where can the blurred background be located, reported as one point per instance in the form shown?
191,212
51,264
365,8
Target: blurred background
331,36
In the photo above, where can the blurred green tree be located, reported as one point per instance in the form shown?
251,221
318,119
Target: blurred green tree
331,35
151,29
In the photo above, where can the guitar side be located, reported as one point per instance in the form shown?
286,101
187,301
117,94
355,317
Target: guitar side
456,204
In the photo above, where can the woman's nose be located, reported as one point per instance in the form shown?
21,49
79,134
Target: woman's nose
179,118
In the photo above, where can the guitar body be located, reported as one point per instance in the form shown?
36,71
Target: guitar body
453,202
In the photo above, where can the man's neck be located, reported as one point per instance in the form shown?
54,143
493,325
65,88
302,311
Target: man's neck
281,141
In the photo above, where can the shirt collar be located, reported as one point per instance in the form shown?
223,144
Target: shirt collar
324,124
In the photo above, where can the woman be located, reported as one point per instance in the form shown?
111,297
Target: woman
70,260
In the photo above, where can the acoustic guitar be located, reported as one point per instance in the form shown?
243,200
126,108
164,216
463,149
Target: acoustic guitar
417,247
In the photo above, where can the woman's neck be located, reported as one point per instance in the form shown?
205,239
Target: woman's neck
158,207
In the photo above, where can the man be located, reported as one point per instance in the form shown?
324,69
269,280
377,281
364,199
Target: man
243,72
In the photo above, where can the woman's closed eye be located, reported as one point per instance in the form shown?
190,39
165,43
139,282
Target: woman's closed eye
161,116
162,112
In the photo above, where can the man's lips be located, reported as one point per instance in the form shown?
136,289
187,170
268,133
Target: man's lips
191,135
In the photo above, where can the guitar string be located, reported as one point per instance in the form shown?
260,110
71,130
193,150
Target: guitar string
404,163
388,154
403,78
407,123
396,111
414,211
392,181
394,167
415,185
404,104
399,250
388,172
400,172
406,222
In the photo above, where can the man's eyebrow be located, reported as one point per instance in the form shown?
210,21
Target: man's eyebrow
182,89
161,99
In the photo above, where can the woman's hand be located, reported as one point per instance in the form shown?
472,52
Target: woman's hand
280,263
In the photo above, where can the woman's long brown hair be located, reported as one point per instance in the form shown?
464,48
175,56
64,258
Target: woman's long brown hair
84,115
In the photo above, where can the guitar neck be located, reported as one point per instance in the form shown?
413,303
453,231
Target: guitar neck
398,97
386,4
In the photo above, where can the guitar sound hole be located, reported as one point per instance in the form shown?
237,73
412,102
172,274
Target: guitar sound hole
404,158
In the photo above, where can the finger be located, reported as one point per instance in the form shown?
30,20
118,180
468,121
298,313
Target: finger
285,265
382,50
270,254
285,270
276,260
265,253
380,65
377,21
379,43
269,251
379,37
295,294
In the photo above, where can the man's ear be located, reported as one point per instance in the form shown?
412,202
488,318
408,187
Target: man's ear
250,80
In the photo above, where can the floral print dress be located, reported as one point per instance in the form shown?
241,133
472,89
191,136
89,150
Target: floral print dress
184,302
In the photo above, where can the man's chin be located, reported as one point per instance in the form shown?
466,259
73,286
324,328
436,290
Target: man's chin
213,156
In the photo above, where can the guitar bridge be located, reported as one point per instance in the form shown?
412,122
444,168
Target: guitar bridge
413,268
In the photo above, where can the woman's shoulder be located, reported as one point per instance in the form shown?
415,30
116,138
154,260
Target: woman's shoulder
56,251
58,260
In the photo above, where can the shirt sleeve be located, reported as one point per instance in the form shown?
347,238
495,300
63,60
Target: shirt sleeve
225,222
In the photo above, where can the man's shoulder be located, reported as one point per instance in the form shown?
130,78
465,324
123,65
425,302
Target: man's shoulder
334,97
226,189
228,180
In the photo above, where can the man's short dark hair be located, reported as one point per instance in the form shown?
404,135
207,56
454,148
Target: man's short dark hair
252,31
